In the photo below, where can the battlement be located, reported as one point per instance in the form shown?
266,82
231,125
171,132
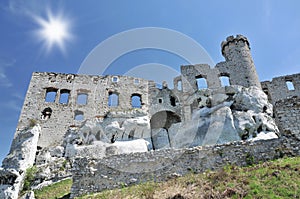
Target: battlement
233,40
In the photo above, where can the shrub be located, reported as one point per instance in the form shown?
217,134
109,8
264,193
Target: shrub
29,177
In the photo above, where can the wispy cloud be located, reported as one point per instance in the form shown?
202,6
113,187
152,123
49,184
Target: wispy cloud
26,8
267,13
4,65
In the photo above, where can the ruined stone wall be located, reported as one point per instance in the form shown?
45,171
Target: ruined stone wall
96,90
277,89
94,175
288,115
284,93
238,67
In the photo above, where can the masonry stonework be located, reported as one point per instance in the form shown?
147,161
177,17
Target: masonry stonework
94,175
119,122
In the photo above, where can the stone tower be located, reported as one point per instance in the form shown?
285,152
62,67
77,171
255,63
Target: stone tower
239,62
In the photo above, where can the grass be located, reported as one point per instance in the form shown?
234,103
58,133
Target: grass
275,179
57,190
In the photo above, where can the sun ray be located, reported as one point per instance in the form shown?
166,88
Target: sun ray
54,31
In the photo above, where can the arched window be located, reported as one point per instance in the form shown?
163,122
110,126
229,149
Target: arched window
113,99
78,115
225,81
64,96
82,98
136,101
201,82
46,113
51,94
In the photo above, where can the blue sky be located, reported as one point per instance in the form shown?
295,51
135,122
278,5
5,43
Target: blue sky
271,26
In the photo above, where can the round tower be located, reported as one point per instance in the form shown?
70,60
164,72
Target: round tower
236,51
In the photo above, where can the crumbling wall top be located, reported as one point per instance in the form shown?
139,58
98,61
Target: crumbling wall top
232,39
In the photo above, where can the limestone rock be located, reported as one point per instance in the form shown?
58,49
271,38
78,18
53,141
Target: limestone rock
101,149
20,157
265,136
160,138
23,149
251,98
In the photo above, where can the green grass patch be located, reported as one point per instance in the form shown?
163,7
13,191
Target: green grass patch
57,190
29,178
275,179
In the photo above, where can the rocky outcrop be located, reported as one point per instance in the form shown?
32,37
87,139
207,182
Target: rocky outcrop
97,139
20,158
233,114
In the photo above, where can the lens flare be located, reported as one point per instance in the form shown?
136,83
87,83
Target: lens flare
53,31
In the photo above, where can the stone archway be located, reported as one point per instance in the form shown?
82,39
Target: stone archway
160,123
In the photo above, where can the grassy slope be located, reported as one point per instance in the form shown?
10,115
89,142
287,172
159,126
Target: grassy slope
56,190
277,179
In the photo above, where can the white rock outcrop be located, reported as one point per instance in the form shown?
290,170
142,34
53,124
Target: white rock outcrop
20,158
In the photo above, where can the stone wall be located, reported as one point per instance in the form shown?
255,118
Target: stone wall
94,175
284,93
277,89
288,115
64,110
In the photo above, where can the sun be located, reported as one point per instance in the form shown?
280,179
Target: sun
54,31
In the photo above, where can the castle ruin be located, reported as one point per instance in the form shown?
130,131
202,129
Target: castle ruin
87,118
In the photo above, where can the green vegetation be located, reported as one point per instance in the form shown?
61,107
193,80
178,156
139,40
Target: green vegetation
32,123
276,179
29,177
57,190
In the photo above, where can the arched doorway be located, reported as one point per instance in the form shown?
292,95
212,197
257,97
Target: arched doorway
160,123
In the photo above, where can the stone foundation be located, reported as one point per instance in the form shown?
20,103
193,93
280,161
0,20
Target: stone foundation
94,175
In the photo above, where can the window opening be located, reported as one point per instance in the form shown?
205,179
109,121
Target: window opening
224,80
136,101
201,83
160,100
64,96
50,94
46,113
115,79
78,115
113,100
290,85
82,98
179,85
173,101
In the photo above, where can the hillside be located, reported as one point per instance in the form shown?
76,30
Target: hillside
275,179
